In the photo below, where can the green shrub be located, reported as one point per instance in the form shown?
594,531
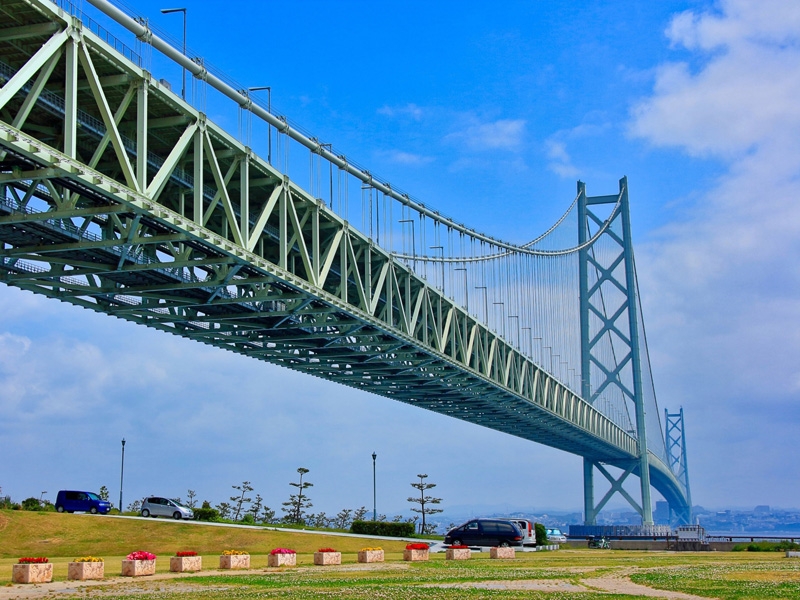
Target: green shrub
383,528
541,534
781,546
248,519
31,504
206,514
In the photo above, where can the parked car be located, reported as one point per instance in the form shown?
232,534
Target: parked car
155,506
555,536
527,529
485,532
72,501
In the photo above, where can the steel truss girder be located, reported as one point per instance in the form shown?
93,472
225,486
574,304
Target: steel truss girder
152,224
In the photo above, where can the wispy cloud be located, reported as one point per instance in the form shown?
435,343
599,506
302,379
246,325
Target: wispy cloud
560,161
503,134
724,273
406,158
409,110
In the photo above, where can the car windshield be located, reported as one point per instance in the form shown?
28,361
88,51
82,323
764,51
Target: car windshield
92,496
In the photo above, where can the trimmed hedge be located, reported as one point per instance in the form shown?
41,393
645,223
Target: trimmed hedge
383,528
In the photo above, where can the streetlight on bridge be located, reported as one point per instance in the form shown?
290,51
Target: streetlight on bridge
167,11
121,472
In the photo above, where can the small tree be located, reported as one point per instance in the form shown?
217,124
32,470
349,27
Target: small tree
343,519
240,498
541,534
103,493
135,506
191,502
424,501
267,515
224,509
359,513
31,504
255,507
296,506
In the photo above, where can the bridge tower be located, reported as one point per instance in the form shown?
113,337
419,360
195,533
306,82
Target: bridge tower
675,436
609,315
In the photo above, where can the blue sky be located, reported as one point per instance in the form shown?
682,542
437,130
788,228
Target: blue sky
490,115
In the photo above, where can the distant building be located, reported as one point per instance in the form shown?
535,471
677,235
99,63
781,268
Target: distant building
661,513
761,508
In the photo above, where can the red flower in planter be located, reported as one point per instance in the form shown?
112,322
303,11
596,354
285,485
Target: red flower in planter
326,550
33,560
185,553
417,546
286,551
141,555
459,547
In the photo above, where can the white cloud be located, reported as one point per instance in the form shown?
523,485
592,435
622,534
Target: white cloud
406,158
503,134
722,286
409,110
560,161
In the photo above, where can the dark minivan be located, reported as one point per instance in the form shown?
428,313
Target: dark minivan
485,532
71,501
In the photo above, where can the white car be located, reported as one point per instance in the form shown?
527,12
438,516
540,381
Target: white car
555,536
155,506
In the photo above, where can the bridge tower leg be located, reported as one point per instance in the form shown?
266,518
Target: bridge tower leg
675,436
603,319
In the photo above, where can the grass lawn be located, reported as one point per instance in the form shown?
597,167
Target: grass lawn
565,574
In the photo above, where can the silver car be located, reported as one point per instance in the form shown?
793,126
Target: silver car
155,506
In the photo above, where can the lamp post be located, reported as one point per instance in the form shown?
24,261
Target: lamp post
167,11
269,110
374,495
121,473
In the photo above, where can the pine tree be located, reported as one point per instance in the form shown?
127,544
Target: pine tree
297,504
424,501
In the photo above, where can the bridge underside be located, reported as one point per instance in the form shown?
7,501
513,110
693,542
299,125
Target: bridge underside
118,197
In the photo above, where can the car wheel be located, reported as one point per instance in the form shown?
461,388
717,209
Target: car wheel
145,513
504,544
176,515
59,508
93,510
456,543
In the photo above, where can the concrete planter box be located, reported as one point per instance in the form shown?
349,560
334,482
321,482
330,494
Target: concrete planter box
234,561
185,564
370,556
792,554
415,555
33,573
138,568
327,558
502,553
282,560
82,571
458,554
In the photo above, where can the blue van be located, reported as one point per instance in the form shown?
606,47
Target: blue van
70,501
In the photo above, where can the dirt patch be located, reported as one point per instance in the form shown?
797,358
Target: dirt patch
619,583
539,585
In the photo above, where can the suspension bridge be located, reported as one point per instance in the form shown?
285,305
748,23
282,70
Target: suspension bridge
121,196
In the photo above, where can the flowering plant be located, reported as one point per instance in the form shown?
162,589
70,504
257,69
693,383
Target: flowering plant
326,550
459,547
417,546
32,560
140,555
371,549
184,553
88,559
282,551
235,553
